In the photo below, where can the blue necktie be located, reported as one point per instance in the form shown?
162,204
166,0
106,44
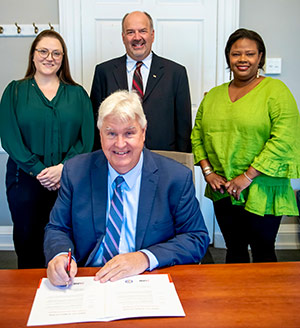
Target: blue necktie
114,223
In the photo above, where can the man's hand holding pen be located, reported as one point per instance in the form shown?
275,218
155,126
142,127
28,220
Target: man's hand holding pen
62,269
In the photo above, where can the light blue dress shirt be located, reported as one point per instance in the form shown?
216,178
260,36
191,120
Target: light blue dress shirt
130,192
145,69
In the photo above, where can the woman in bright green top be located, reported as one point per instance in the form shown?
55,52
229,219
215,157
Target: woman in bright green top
247,140
45,119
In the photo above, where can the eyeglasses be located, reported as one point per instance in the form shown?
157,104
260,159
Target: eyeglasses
55,54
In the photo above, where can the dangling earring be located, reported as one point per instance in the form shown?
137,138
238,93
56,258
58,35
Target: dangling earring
230,75
257,74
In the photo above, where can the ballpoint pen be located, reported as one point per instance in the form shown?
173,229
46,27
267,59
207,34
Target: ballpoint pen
69,262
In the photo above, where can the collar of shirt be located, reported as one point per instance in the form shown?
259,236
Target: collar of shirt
145,69
129,177
130,63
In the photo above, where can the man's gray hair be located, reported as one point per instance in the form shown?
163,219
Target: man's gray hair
124,105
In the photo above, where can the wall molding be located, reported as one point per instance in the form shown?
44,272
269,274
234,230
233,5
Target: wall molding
288,237
6,239
228,22
70,29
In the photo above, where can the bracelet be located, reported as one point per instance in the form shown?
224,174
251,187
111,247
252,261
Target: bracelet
207,172
207,168
245,174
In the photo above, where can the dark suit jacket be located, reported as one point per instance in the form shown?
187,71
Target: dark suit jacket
169,222
166,103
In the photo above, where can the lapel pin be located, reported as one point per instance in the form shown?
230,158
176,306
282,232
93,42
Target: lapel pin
154,76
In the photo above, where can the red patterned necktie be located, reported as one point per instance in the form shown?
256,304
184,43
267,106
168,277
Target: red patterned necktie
137,81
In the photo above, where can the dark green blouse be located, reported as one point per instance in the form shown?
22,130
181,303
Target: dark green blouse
38,133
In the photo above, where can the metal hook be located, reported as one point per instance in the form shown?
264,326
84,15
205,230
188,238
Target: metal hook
51,27
1,29
18,28
36,29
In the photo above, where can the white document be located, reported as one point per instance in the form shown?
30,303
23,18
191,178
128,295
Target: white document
150,295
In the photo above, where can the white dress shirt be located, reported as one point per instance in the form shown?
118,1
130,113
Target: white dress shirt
145,69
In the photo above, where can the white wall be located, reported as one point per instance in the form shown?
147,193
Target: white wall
278,23
14,50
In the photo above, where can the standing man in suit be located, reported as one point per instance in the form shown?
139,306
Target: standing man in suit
149,218
165,89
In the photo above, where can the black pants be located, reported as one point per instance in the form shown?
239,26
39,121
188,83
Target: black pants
30,205
241,228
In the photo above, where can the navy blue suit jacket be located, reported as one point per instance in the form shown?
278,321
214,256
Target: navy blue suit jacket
166,102
169,222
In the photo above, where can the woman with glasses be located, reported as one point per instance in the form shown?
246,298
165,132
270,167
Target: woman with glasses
45,119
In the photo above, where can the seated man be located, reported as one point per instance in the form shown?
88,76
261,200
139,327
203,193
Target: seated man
148,218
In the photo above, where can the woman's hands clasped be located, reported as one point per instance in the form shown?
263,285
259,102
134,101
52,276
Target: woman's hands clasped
50,177
234,187
217,182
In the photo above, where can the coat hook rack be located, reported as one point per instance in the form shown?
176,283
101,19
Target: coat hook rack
36,29
25,30
18,28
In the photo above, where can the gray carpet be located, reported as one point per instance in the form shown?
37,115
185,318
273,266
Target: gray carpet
8,259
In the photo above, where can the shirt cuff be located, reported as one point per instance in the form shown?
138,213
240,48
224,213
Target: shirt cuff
35,169
153,263
63,253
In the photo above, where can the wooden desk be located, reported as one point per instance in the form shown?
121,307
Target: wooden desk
215,295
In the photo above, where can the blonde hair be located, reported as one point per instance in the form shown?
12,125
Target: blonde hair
123,104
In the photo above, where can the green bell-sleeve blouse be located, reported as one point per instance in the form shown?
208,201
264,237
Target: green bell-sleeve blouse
261,129
38,133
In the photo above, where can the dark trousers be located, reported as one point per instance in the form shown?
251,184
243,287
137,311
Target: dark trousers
30,205
241,228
